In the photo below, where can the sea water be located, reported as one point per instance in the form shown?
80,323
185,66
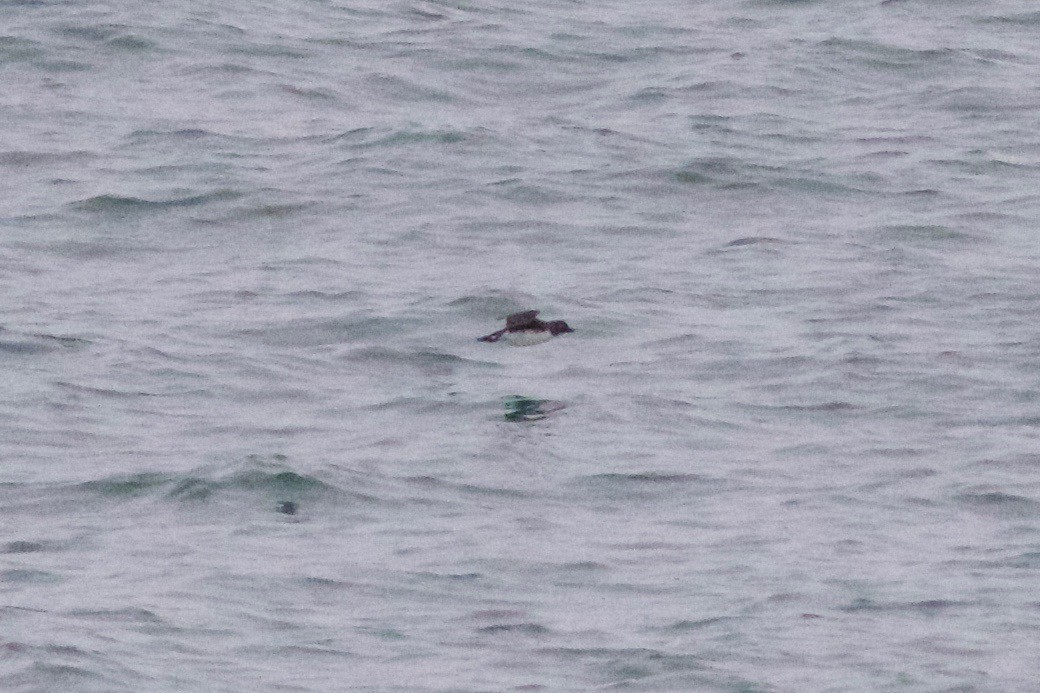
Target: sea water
246,249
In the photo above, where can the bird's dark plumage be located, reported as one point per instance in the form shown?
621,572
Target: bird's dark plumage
526,328
518,321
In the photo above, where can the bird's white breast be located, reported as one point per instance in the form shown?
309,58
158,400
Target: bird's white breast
526,337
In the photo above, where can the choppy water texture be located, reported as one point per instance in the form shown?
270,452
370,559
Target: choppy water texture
249,441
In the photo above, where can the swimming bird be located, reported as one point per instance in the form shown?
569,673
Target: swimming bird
525,329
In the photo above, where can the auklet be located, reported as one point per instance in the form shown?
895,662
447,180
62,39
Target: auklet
525,329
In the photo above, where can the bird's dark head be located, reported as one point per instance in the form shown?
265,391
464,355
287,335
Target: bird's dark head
558,327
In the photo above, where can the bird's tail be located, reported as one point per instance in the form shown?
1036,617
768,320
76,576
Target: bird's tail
493,337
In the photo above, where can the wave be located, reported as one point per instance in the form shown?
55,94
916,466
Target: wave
256,477
121,203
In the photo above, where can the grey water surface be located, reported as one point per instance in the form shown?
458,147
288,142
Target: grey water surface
248,441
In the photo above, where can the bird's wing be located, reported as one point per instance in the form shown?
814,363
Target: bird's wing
521,319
